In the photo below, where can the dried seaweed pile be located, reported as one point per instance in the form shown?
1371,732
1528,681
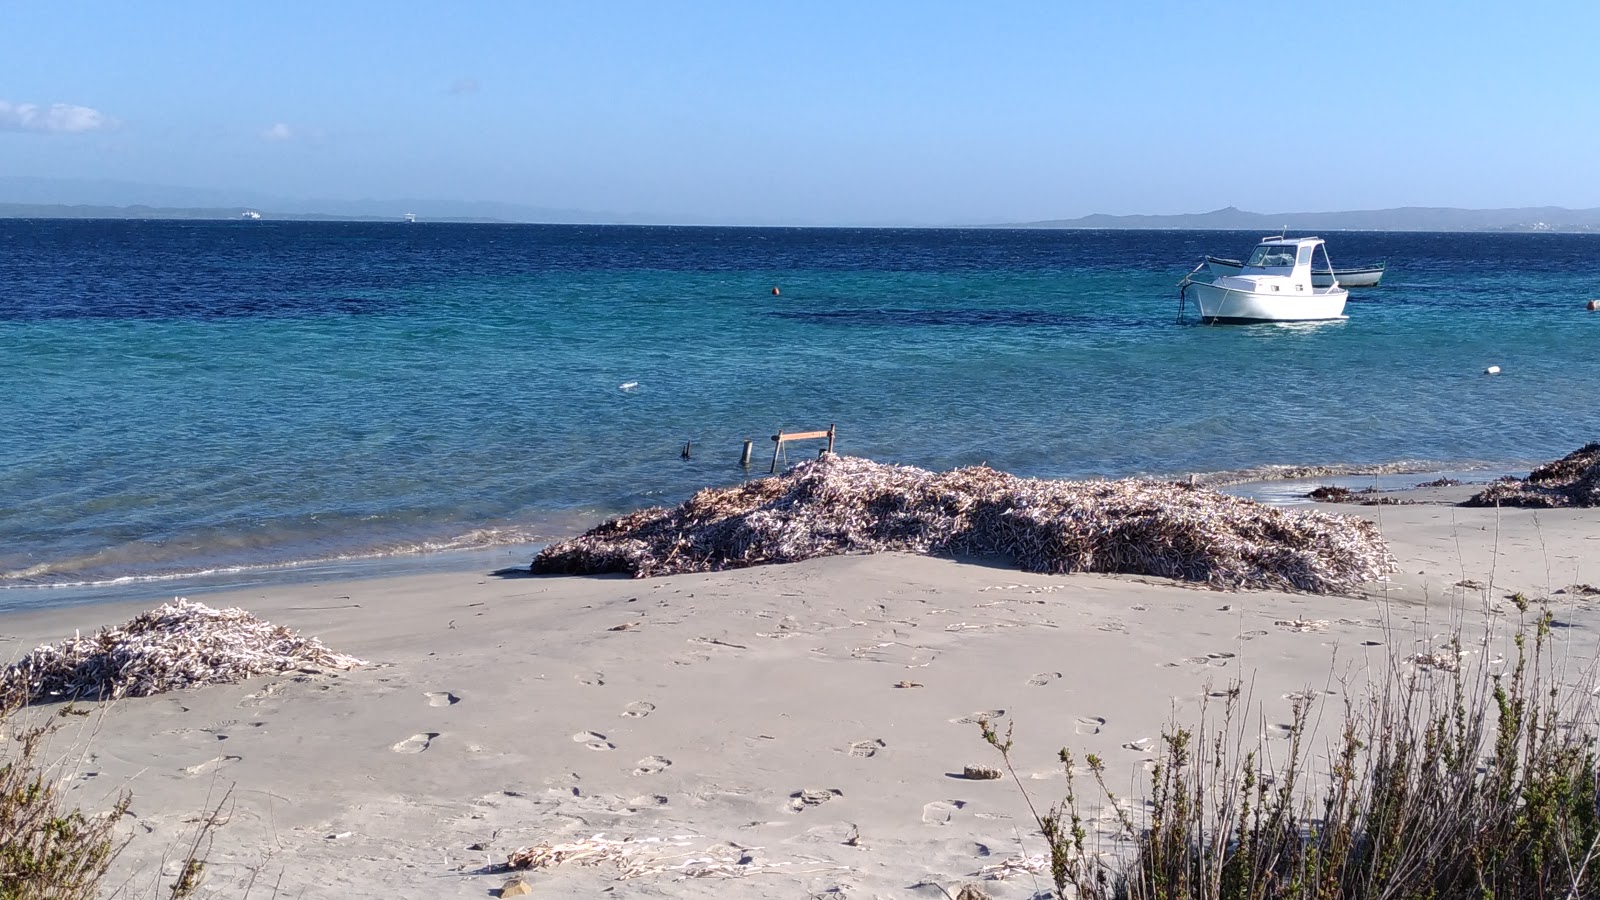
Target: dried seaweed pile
175,646
641,857
1573,480
837,504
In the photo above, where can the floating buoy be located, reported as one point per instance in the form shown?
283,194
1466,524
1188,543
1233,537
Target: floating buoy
775,293
627,386
1594,305
1492,370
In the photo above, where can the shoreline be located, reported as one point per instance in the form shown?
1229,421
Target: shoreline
1278,485
757,710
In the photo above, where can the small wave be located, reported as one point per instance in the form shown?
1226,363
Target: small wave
64,574
1303,473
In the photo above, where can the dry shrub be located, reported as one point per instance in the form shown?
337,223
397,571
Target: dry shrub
1572,480
178,645
1441,784
837,504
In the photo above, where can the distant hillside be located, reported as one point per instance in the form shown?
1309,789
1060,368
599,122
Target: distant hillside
1406,218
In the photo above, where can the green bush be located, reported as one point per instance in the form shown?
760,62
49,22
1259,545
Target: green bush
48,849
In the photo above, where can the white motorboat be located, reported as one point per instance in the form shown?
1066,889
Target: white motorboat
1273,285
1354,276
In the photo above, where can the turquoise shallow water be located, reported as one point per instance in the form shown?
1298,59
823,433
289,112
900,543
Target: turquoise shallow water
185,397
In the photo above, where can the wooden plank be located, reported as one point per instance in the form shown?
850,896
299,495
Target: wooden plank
800,435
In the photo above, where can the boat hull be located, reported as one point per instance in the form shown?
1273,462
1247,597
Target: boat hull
1365,276
1359,276
1219,303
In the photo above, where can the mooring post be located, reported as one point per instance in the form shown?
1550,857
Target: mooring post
744,457
777,447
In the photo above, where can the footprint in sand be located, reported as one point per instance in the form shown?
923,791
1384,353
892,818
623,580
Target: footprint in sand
211,765
591,678
652,765
638,709
1372,643
1252,635
441,698
866,749
1043,678
799,801
1280,730
939,811
416,743
1218,659
1090,724
983,715
593,740
1142,745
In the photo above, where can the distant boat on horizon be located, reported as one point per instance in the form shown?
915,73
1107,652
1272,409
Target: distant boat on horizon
411,218
250,215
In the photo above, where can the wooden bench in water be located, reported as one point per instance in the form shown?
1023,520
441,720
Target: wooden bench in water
781,438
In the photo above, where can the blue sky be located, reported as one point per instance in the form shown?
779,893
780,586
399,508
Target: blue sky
818,112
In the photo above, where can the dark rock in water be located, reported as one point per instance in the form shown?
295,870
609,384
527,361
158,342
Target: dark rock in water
1333,495
1440,482
1572,480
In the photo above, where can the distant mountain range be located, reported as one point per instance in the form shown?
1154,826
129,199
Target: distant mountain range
55,198
1405,218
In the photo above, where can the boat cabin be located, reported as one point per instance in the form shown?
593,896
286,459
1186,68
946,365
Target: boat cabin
1279,264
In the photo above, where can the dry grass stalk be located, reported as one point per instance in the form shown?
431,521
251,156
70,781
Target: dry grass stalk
836,505
1572,480
178,645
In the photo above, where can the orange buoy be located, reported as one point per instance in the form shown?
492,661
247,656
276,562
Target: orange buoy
775,293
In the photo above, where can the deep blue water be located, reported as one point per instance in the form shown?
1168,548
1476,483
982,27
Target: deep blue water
187,396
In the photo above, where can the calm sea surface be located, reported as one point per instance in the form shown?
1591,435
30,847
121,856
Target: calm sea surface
180,397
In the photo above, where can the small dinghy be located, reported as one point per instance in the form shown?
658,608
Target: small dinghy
1273,285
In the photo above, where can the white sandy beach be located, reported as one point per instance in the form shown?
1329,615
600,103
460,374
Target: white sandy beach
750,713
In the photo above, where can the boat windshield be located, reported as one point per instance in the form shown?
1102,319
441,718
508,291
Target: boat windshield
1272,255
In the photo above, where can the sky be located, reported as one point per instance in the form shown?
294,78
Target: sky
817,112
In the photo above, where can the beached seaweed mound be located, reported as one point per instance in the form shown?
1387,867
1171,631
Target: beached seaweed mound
840,504
178,645
1572,480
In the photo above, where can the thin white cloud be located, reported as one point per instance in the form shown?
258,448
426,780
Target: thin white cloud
281,131
464,85
57,118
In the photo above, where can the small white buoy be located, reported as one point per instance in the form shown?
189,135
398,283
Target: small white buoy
1492,370
630,385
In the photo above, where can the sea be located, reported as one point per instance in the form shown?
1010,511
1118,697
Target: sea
187,404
